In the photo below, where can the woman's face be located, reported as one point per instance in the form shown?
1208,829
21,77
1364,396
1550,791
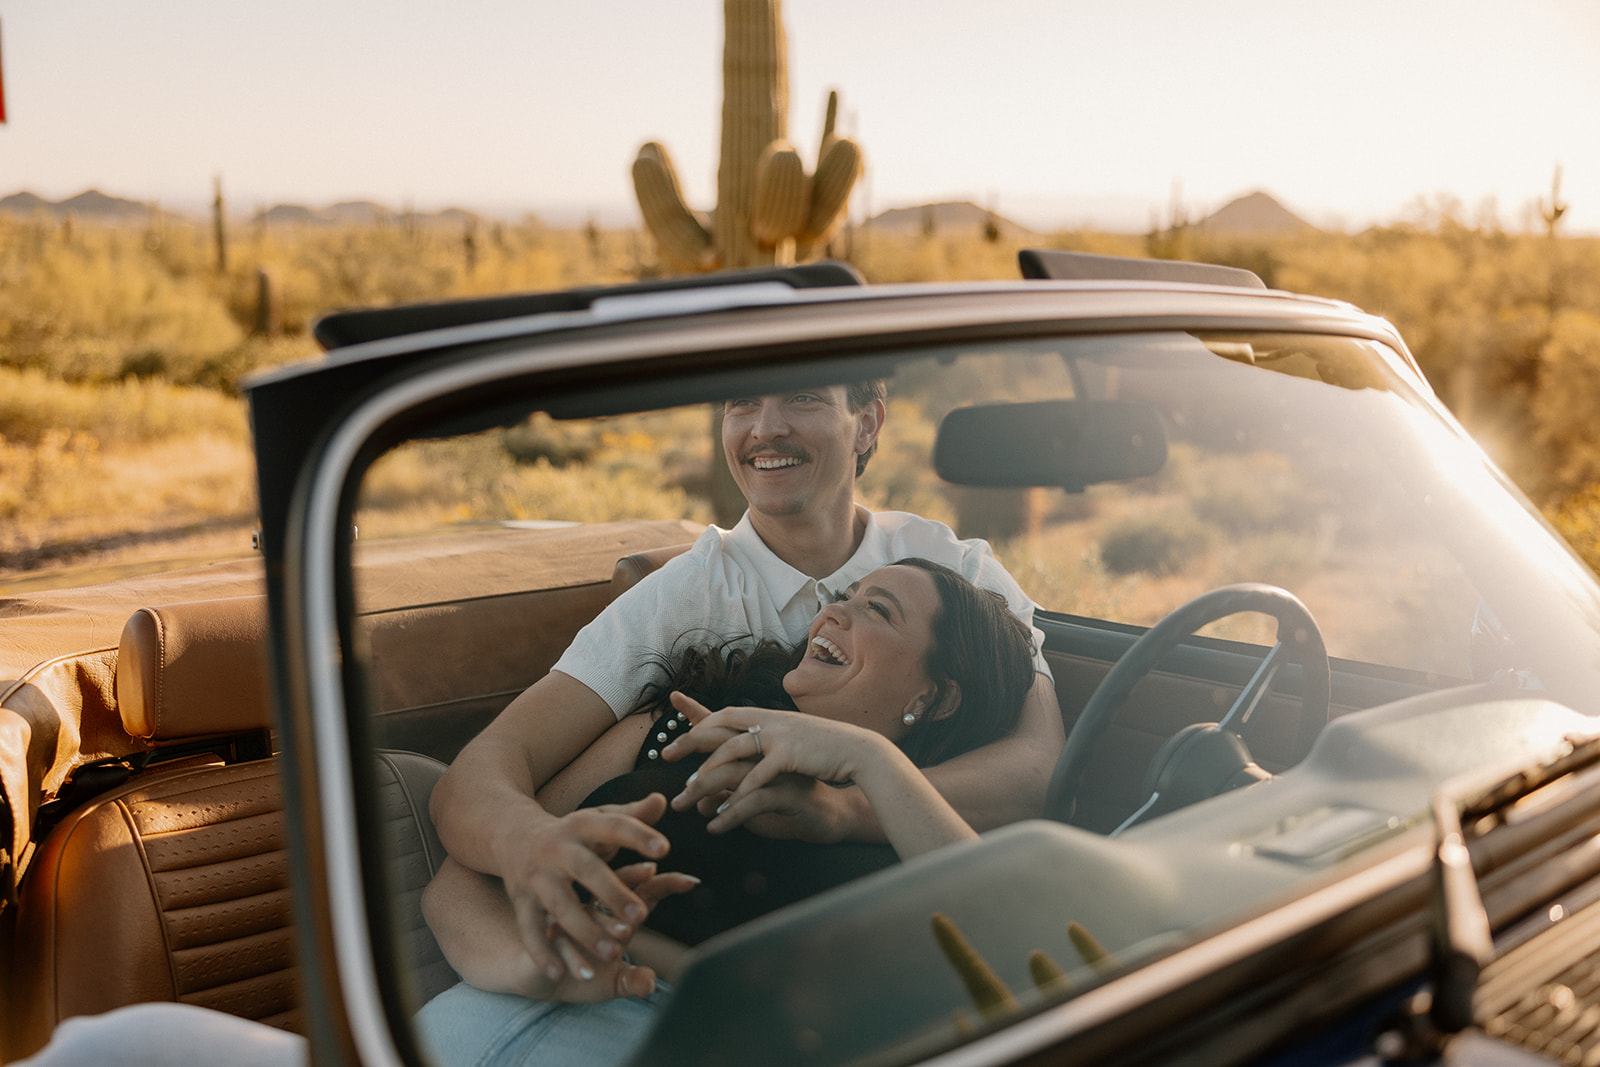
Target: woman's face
866,655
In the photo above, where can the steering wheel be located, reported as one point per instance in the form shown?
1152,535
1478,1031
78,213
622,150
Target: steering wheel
1203,759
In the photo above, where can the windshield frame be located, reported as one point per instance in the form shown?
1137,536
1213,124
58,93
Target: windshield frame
312,599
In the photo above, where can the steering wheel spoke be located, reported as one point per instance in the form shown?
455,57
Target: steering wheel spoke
1299,641
1254,689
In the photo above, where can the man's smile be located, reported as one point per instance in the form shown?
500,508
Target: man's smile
772,463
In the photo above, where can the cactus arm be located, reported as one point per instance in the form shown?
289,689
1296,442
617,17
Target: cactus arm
1093,953
829,119
682,237
836,175
985,988
783,191
1047,975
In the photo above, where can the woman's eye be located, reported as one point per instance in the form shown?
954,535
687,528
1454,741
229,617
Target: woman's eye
879,608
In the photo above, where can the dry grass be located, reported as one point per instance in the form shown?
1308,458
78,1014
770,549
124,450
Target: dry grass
121,349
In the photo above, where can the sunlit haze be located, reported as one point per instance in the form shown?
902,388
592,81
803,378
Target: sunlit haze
1058,114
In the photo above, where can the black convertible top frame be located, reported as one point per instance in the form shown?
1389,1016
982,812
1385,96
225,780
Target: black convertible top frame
343,328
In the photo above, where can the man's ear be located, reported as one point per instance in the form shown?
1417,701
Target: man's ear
949,701
870,425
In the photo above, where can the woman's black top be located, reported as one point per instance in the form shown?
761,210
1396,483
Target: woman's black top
742,874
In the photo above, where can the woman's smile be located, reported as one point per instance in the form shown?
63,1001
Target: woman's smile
866,660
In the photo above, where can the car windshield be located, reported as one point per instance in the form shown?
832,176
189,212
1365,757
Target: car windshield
1117,477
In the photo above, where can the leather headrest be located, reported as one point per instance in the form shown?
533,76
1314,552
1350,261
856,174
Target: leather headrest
194,670
629,569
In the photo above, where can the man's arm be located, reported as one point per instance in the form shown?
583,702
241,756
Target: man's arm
489,821
990,786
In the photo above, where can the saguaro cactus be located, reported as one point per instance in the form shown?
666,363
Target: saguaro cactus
769,210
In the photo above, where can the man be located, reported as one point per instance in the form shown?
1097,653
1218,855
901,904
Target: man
795,456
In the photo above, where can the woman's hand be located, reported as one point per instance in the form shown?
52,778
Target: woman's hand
771,765
756,750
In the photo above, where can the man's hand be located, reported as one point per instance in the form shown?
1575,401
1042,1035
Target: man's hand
544,862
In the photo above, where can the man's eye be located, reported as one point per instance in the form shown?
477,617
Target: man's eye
804,398
742,402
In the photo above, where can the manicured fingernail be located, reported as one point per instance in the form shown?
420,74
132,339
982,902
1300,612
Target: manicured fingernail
723,806
585,973
635,912
658,847
692,777
606,949
621,929
680,801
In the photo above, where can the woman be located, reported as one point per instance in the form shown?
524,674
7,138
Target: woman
913,666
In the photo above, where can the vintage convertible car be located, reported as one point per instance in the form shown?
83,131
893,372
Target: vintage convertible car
1329,684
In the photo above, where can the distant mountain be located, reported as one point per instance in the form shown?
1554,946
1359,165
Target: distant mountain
359,213
90,204
953,217
1255,214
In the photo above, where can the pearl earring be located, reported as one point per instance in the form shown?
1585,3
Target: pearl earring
909,718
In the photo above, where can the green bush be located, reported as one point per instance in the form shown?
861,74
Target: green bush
1155,545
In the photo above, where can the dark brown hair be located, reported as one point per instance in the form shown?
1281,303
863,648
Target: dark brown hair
978,645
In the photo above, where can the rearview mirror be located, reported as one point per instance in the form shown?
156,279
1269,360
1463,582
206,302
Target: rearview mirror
1067,444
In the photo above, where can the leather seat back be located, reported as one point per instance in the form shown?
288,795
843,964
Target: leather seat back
630,569
175,886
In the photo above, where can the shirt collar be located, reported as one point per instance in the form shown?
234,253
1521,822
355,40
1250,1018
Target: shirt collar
785,582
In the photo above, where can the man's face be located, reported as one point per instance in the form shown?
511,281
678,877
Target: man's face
790,452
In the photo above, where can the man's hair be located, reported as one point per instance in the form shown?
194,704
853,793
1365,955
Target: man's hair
859,395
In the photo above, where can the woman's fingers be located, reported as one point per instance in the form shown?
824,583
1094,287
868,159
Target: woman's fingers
714,779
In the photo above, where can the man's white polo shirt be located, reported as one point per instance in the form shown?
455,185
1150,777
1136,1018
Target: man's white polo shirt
730,584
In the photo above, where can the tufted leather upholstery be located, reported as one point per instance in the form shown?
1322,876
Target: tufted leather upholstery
175,885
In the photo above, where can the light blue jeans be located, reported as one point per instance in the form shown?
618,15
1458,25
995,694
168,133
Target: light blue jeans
466,1027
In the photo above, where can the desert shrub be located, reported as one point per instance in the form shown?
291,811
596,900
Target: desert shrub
1577,518
1247,495
1153,544
33,404
1567,399
47,475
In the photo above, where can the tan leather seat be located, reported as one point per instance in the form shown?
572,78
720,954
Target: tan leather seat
175,885
631,568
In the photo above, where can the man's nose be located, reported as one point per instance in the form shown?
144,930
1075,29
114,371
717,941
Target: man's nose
770,421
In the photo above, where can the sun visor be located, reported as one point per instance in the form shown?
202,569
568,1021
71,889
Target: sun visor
1067,444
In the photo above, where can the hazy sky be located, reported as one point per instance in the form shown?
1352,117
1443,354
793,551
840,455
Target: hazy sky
1053,110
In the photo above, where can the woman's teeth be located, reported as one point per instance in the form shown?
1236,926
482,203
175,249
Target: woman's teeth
829,652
